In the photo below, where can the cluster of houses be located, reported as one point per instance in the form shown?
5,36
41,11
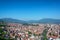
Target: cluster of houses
25,32
32,32
54,32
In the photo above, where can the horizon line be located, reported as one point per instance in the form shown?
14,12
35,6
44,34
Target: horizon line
28,19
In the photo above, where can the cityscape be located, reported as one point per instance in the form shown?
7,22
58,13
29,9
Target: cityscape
28,31
29,19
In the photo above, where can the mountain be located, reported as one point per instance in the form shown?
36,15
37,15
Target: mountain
46,20
10,20
49,20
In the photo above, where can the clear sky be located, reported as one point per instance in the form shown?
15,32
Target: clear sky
30,9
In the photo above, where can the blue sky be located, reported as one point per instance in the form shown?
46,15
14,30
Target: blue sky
30,9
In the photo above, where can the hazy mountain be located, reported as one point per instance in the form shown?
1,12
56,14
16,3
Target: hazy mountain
10,20
46,20
49,20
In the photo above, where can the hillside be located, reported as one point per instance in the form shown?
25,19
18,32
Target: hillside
46,20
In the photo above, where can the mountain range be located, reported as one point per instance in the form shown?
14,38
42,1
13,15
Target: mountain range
44,21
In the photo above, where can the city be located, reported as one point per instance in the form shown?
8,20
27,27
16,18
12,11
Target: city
29,19
15,31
